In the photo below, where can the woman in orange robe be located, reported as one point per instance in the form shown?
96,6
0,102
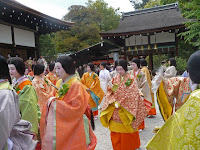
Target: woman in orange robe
123,110
63,124
52,74
42,85
92,84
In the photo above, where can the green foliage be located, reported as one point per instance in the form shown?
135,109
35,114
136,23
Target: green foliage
89,21
139,4
152,3
181,65
192,13
157,59
185,49
46,47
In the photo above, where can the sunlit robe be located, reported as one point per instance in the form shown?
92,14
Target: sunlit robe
182,130
124,121
52,77
44,90
148,76
96,95
63,124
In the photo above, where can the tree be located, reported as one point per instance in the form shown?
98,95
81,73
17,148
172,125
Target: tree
152,3
138,4
46,47
191,11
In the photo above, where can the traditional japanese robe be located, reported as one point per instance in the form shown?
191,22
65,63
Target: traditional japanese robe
170,72
28,102
104,77
148,76
182,130
143,86
44,90
13,131
123,121
63,125
96,95
177,87
53,78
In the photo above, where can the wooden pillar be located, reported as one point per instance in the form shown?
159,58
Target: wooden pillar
125,55
37,52
176,42
151,61
150,54
13,49
107,56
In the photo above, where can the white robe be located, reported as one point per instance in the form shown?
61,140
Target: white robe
104,77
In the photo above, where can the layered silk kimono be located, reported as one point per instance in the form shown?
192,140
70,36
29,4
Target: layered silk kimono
13,131
96,94
123,122
63,125
144,91
28,102
173,93
182,130
53,78
148,76
44,90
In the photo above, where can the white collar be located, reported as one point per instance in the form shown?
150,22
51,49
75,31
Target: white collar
193,85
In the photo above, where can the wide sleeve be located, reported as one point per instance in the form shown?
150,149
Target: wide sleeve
170,72
28,106
9,114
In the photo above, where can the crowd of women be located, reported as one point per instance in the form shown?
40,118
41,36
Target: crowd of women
58,110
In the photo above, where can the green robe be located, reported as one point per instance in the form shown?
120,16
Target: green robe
28,106
182,130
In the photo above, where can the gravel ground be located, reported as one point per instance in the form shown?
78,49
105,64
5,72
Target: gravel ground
103,134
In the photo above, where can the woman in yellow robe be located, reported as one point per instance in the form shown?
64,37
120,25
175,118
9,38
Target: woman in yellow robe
123,110
142,85
42,85
182,129
64,125
92,85
143,64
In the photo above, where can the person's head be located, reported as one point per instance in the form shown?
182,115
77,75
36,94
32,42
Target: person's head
103,65
41,56
172,62
163,63
26,71
143,62
90,67
30,58
4,71
64,67
121,66
80,67
39,70
52,67
9,55
135,64
194,67
16,67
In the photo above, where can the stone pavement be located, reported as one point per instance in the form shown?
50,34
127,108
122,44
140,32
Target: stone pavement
103,134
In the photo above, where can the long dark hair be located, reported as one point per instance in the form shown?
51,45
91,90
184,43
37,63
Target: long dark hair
123,63
19,64
4,71
67,64
172,62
